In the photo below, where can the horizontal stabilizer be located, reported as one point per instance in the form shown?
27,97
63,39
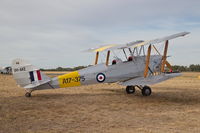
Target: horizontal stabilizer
37,84
150,80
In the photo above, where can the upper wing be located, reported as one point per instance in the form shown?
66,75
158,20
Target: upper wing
101,48
159,40
134,43
150,80
113,46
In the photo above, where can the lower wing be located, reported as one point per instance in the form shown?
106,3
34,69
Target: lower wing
150,80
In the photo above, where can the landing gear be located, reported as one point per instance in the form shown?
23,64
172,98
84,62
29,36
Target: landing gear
130,89
146,91
28,94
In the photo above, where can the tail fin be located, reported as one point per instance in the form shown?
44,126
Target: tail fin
27,75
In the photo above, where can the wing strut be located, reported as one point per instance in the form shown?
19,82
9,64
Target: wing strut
164,56
125,54
147,61
107,58
97,57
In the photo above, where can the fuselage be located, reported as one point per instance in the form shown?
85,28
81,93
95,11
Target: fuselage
101,73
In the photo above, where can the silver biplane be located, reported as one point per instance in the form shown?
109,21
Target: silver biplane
140,69
6,70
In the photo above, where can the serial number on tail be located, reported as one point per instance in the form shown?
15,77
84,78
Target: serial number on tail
20,69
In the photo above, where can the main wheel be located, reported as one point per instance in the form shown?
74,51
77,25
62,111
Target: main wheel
146,91
130,89
28,94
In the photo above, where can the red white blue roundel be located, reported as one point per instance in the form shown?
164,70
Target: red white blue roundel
101,77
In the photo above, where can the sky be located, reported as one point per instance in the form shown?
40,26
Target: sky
53,33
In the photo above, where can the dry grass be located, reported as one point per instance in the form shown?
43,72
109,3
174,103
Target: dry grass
174,106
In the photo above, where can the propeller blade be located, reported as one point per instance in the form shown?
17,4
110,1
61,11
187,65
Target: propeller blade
166,62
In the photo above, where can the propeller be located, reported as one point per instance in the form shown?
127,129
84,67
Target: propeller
147,61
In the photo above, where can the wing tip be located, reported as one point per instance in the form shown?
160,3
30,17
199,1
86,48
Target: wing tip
185,33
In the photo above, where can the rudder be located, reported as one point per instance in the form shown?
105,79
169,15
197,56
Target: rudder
27,75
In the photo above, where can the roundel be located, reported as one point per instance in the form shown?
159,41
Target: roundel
101,77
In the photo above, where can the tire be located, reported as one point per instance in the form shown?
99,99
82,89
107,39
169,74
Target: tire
146,91
130,89
28,94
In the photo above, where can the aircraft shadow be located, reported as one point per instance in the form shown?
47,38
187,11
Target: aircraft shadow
183,96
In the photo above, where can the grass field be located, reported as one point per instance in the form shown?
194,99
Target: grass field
174,106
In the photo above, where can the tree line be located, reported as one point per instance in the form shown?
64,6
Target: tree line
64,69
191,68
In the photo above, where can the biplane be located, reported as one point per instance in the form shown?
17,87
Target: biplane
140,68
6,70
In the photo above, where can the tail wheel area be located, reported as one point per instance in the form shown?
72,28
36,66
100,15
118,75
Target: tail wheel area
146,91
27,94
130,89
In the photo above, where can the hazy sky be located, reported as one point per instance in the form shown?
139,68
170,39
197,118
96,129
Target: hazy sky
52,33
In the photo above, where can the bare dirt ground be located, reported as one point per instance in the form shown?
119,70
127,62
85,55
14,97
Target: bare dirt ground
174,106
